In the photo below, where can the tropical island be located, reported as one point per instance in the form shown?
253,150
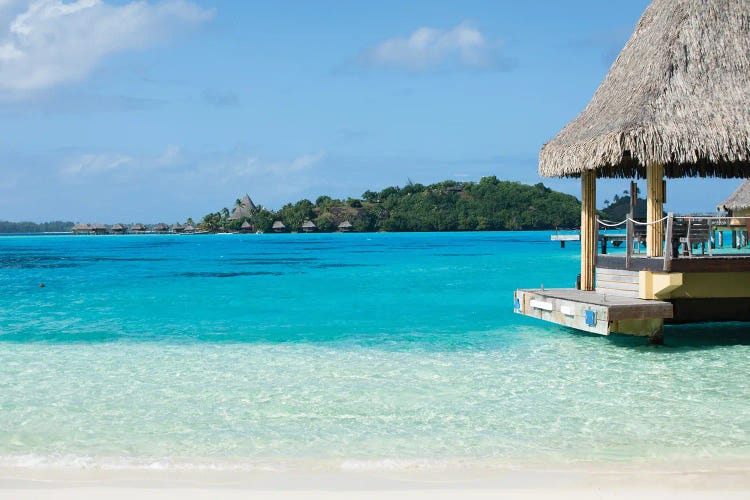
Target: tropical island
487,205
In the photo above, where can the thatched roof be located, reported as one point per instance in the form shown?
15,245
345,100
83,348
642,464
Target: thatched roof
739,200
81,227
189,228
345,224
161,227
118,227
677,94
278,225
246,225
246,208
176,226
308,224
138,227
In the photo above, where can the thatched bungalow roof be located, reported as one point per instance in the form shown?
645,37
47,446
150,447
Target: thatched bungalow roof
739,200
161,227
189,228
345,225
246,225
278,226
677,94
177,227
308,225
246,208
118,227
138,227
81,228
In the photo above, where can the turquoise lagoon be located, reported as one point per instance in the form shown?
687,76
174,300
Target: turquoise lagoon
338,351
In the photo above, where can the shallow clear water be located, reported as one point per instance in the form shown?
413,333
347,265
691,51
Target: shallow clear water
348,350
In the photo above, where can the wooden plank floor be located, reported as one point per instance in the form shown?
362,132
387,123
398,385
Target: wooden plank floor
618,307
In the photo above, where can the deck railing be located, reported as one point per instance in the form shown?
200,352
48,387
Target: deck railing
693,236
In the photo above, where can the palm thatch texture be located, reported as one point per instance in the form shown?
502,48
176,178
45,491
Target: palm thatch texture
308,226
345,226
678,94
138,228
161,227
81,228
245,208
278,226
739,200
98,228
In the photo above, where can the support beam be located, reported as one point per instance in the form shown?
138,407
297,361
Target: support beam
654,209
589,229
657,337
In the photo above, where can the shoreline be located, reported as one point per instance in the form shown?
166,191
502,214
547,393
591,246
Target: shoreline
703,479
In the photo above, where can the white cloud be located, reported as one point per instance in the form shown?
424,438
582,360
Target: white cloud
250,166
52,42
300,163
428,49
89,164
170,156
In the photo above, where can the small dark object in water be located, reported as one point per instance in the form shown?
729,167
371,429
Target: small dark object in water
41,285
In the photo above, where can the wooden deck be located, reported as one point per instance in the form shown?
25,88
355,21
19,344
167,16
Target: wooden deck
696,264
590,311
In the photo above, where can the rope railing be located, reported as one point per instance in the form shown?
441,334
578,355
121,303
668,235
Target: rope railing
607,223
610,223
616,224
647,223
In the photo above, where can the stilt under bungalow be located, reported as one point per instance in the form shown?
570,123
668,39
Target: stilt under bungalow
670,107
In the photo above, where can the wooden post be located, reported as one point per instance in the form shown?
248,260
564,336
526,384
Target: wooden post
589,229
654,209
668,244
629,225
657,336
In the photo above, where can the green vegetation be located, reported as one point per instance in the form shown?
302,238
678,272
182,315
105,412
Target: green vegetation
619,208
487,205
32,227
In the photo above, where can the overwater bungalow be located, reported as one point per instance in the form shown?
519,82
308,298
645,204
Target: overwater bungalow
345,227
246,227
177,228
675,103
189,229
118,229
138,228
81,229
160,228
98,229
737,207
278,227
245,208
309,226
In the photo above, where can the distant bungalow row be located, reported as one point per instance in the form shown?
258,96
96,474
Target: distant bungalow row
177,228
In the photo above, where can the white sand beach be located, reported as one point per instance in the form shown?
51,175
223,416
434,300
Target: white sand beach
699,481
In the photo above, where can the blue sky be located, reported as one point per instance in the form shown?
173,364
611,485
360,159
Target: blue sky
143,111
